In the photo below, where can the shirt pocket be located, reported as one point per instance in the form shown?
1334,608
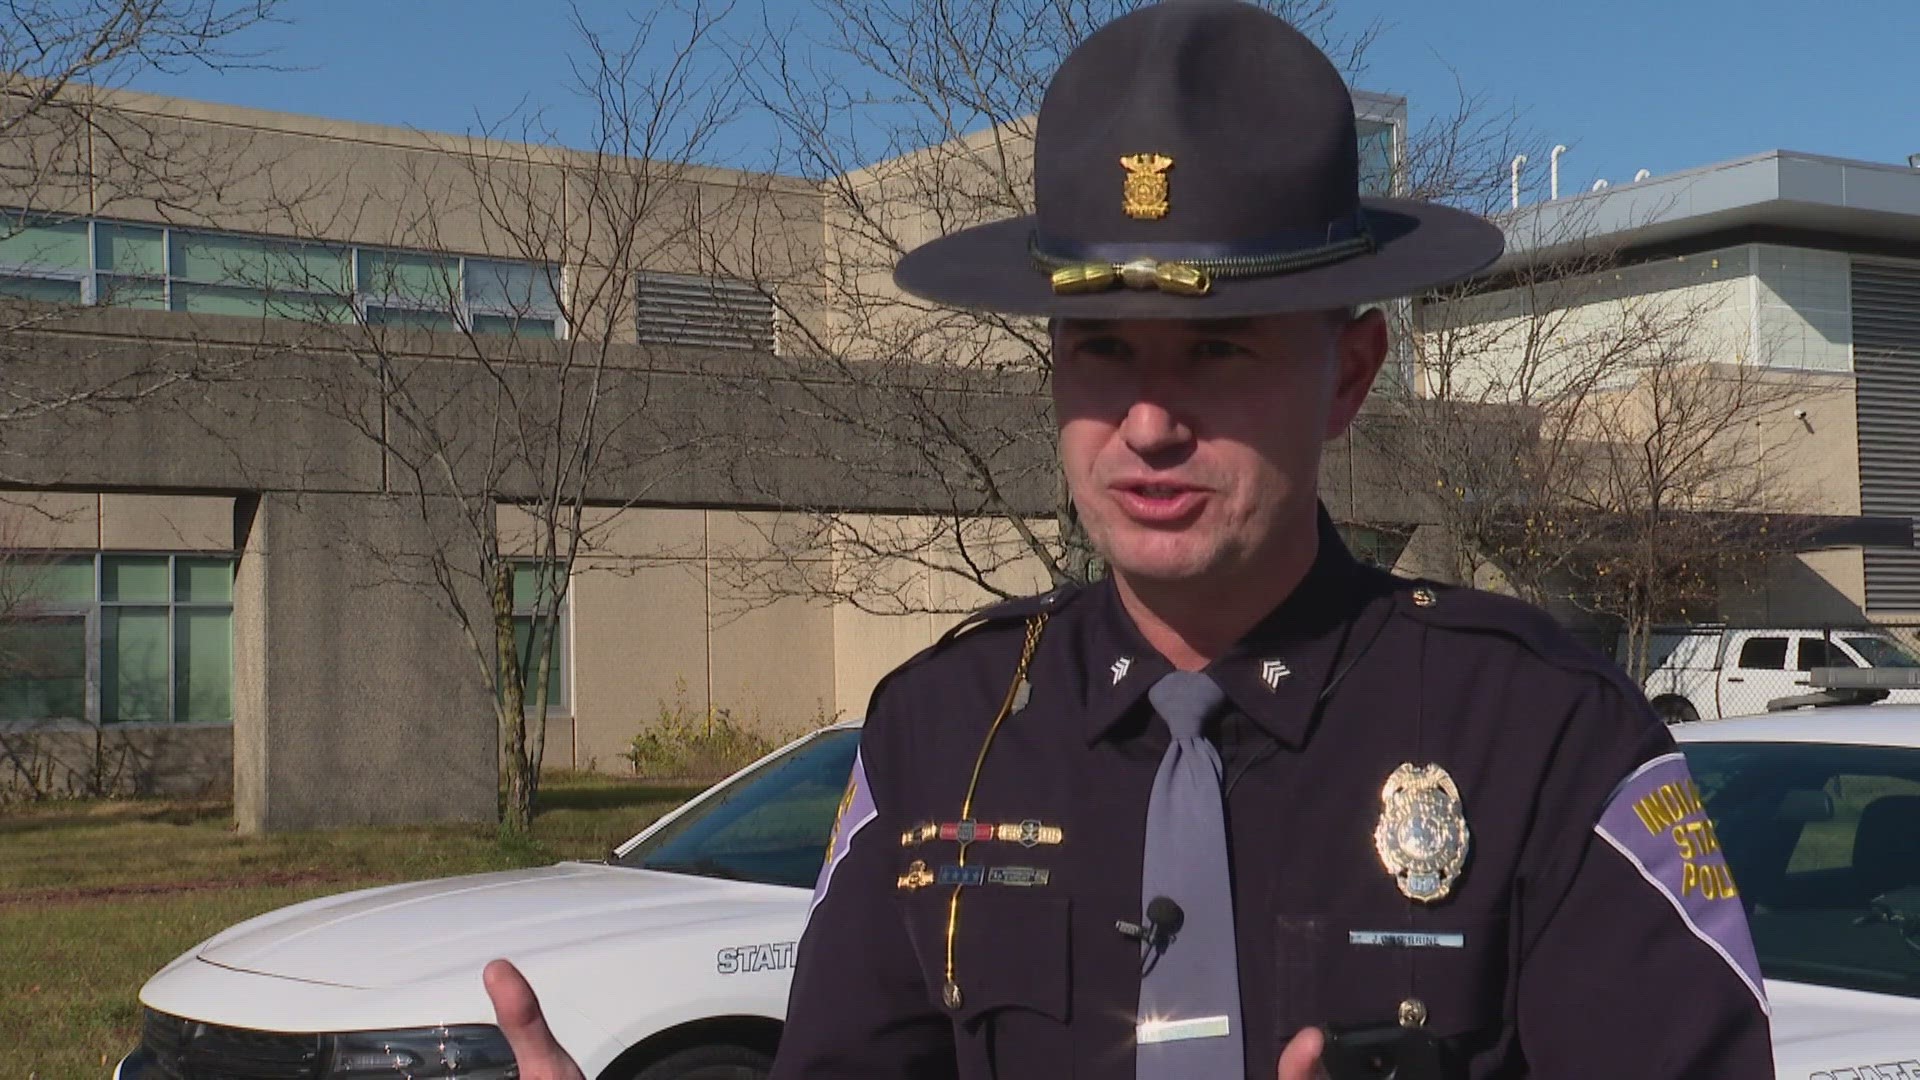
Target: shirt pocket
1456,974
1011,954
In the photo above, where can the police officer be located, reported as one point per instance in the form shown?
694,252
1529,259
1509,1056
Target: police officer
1245,795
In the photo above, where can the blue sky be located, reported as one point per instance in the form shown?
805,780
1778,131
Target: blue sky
1627,84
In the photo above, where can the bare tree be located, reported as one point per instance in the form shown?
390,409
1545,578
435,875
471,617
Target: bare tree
1585,430
916,118
513,411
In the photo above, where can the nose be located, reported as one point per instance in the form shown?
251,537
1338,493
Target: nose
1151,426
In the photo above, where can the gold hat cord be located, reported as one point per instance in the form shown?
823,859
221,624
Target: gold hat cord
951,992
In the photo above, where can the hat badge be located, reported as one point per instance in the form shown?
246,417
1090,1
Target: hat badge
1144,194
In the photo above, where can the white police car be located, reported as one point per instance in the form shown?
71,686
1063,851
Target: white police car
671,960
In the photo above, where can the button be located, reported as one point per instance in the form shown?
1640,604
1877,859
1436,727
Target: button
950,995
1413,1013
1424,597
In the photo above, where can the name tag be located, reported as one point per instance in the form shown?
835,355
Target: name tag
1406,939
1148,1032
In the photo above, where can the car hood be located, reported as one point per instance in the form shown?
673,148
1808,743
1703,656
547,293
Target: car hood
1820,1032
406,934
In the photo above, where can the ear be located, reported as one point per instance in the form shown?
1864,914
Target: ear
1359,348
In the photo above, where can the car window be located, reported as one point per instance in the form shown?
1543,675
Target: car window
1880,652
1824,845
1819,652
1764,652
768,826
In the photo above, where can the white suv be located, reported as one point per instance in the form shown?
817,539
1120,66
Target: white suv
1705,673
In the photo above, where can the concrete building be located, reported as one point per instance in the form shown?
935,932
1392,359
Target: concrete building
1806,268
223,555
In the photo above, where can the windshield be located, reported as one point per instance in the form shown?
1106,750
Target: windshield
1824,842
1880,652
768,826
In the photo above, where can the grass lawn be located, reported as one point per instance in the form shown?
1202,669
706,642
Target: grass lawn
96,896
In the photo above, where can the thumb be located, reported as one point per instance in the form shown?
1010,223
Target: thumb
1301,1059
517,1010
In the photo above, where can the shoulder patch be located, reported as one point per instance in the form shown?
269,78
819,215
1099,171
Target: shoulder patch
856,812
1656,820
1020,607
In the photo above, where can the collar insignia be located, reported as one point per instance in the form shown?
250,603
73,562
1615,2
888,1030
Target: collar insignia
1272,672
1119,669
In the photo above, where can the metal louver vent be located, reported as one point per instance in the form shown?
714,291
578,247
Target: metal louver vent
680,309
1886,363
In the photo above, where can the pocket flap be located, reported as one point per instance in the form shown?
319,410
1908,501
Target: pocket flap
1010,950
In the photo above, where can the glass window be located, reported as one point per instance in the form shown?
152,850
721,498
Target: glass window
43,667
130,292
771,825
508,325
130,250
1376,157
418,319
260,264
1819,653
529,607
1881,652
1824,843
507,288
415,280
37,244
1769,653
44,290
157,642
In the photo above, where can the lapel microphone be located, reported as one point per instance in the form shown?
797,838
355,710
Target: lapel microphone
1163,920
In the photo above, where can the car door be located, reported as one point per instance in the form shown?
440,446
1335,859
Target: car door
1755,673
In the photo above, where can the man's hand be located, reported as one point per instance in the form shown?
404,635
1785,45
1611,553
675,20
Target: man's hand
1301,1059
517,1011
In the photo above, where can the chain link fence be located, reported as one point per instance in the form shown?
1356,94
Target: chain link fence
1713,671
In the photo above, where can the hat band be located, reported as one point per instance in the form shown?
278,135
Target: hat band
1187,267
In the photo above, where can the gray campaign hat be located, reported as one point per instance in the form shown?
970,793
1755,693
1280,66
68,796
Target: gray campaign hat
1198,159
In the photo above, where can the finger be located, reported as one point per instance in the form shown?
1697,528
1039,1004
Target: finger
1301,1059
517,1010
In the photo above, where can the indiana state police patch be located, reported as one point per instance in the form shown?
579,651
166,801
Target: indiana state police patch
856,811
1656,819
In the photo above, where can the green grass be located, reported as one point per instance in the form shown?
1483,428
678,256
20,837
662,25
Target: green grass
96,895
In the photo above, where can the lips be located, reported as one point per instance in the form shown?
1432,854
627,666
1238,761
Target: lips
1158,502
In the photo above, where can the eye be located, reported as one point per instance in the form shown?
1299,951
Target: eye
1104,347
1218,349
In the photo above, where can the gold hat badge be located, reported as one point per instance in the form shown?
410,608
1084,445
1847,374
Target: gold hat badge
1422,835
1145,191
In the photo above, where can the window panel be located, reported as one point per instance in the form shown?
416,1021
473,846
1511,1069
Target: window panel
255,263
42,245
260,303
1376,157
425,280
43,668
133,665
44,290
54,583
130,292
140,579
508,325
413,318
511,288
203,665
203,581
130,249
557,701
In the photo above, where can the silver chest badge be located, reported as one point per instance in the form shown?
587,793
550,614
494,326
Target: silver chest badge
1422,833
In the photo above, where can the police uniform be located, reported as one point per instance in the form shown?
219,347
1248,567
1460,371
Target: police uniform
1553,954
1433,808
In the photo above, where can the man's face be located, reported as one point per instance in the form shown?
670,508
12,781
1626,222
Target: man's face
1192,449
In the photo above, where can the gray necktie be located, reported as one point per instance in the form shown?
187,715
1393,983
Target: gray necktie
1190,992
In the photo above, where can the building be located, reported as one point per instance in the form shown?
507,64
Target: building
1801,271
224,555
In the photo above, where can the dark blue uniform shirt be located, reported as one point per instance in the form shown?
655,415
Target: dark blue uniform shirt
1557,952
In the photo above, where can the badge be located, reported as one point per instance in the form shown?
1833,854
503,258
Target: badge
916,877
1145,191
1026,833
1422,833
